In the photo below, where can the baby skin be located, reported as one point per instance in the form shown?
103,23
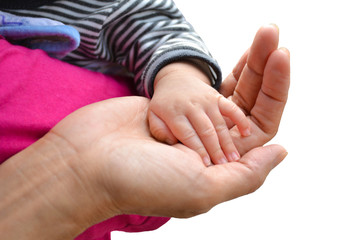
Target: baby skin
186,108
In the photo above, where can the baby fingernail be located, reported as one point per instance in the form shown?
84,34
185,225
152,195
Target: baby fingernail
207,161
223,161
234,157
246,132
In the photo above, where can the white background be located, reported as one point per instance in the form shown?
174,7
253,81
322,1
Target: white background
314,193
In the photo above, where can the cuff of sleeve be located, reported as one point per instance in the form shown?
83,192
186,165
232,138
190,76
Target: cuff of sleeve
205,62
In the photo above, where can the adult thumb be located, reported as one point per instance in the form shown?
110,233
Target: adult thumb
236,179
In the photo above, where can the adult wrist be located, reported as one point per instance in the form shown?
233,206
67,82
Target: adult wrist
45,194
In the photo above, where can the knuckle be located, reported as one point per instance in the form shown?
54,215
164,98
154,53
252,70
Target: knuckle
156,131
239,100
187,135
255,177
256,184
207,132
233,108
221,128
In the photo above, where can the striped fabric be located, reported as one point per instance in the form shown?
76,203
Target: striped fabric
129,37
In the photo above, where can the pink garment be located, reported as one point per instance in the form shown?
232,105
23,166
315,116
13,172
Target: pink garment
36,92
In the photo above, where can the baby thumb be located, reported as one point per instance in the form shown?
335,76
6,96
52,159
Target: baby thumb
160,130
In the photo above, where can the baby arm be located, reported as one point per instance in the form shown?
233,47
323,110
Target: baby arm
185,107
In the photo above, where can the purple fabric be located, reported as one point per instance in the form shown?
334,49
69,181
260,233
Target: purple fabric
36,92
51,36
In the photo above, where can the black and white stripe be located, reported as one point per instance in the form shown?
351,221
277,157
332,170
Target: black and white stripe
141,36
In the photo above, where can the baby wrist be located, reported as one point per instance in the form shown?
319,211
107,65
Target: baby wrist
180,72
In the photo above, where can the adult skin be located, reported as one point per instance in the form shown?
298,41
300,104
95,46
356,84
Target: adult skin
99,162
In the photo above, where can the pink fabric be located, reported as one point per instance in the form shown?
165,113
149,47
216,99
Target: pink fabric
36,92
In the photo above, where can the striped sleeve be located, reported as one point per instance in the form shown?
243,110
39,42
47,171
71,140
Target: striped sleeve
133,37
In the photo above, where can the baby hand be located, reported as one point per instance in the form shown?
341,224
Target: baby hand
185,108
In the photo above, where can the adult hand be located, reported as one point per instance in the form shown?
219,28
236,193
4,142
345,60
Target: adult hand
143,176
101,161
261,81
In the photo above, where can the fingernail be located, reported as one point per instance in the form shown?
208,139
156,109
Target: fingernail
207,161
284,155
234,157
281,157
276,26
285,50
246,132
223,161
